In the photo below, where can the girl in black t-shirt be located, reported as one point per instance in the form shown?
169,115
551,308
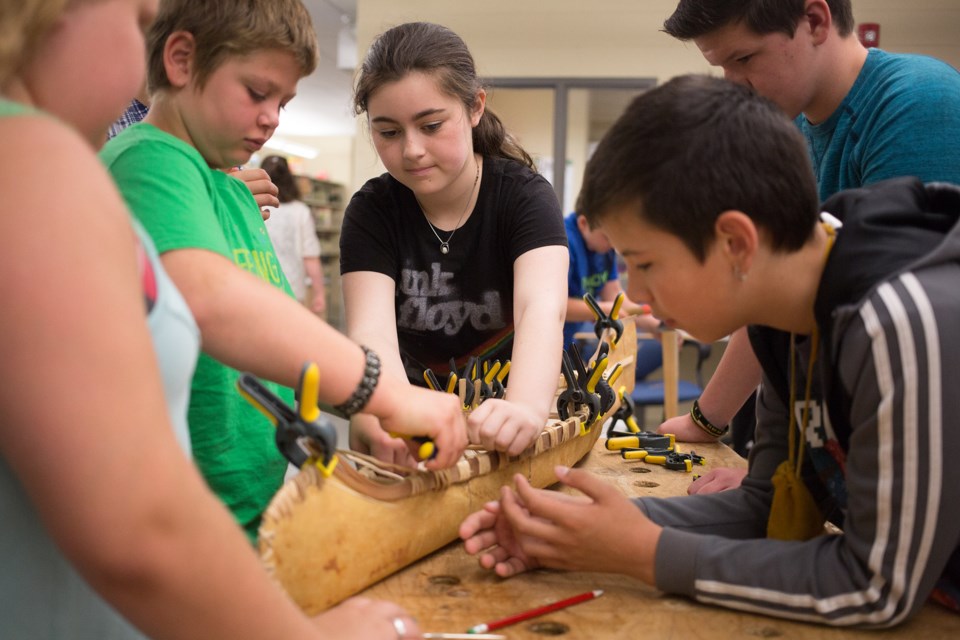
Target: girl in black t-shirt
459,250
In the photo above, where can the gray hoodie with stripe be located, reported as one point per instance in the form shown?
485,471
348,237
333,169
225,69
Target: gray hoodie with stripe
882,439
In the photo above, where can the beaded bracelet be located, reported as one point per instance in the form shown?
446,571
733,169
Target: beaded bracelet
698,419
361,395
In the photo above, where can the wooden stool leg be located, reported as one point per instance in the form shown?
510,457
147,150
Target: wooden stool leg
671,372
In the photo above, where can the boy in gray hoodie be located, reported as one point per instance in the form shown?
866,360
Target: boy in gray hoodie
707,192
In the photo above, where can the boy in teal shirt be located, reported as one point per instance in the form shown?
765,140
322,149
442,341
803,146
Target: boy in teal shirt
867,115
218,77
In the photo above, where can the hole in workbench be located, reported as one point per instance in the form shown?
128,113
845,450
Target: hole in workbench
549,628
446,581
640,470
647,484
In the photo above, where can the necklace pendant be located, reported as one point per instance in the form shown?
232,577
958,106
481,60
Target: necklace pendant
444,248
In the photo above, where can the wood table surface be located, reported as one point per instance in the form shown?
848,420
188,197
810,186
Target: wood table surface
448,592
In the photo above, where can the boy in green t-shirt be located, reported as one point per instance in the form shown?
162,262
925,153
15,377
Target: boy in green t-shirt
219,72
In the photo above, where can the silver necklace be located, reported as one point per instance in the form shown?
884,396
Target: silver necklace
445,244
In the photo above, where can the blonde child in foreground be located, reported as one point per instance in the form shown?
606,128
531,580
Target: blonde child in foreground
109,529
867,115
707,193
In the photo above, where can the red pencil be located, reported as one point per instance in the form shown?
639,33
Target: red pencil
533,613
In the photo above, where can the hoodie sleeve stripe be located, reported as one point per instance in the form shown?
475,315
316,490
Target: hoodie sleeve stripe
905,352
899,416
934,462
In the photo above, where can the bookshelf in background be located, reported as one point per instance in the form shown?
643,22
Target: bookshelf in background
326,201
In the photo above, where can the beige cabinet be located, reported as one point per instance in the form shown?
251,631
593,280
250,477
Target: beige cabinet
327,201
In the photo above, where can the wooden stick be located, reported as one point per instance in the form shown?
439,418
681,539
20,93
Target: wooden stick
671,373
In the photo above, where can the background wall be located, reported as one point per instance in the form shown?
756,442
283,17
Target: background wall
607,38
559,38
333,161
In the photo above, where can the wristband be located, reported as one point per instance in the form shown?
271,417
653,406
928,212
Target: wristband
361,395
698,419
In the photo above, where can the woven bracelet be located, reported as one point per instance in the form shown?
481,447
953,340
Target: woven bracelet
698,419
361,395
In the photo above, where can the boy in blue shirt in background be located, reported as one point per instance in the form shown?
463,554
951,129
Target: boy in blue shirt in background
593,270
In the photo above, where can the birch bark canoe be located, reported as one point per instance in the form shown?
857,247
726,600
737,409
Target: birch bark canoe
325,539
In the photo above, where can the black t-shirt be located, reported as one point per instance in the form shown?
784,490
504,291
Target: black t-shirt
460,304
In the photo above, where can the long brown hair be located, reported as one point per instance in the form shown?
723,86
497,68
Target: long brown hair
279,172
435,49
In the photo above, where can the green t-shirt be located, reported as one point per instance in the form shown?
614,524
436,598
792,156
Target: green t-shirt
185,204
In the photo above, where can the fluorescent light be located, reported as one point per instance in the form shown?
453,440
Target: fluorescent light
293,148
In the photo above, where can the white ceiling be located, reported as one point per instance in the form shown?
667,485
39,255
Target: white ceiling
322,106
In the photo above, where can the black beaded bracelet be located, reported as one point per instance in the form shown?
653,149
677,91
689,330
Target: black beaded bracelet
698,419
361,395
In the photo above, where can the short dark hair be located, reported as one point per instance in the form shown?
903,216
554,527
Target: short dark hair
697,146
230,28
280,174
695,18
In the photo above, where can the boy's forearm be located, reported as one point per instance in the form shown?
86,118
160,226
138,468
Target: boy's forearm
736,377
243,320
576,310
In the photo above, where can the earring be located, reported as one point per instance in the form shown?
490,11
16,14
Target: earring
739,275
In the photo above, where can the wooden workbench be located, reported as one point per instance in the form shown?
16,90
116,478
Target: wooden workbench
447,591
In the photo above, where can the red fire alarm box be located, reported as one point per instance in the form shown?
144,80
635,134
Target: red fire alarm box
869,34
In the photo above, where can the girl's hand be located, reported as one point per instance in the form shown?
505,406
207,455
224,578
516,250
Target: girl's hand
500,425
